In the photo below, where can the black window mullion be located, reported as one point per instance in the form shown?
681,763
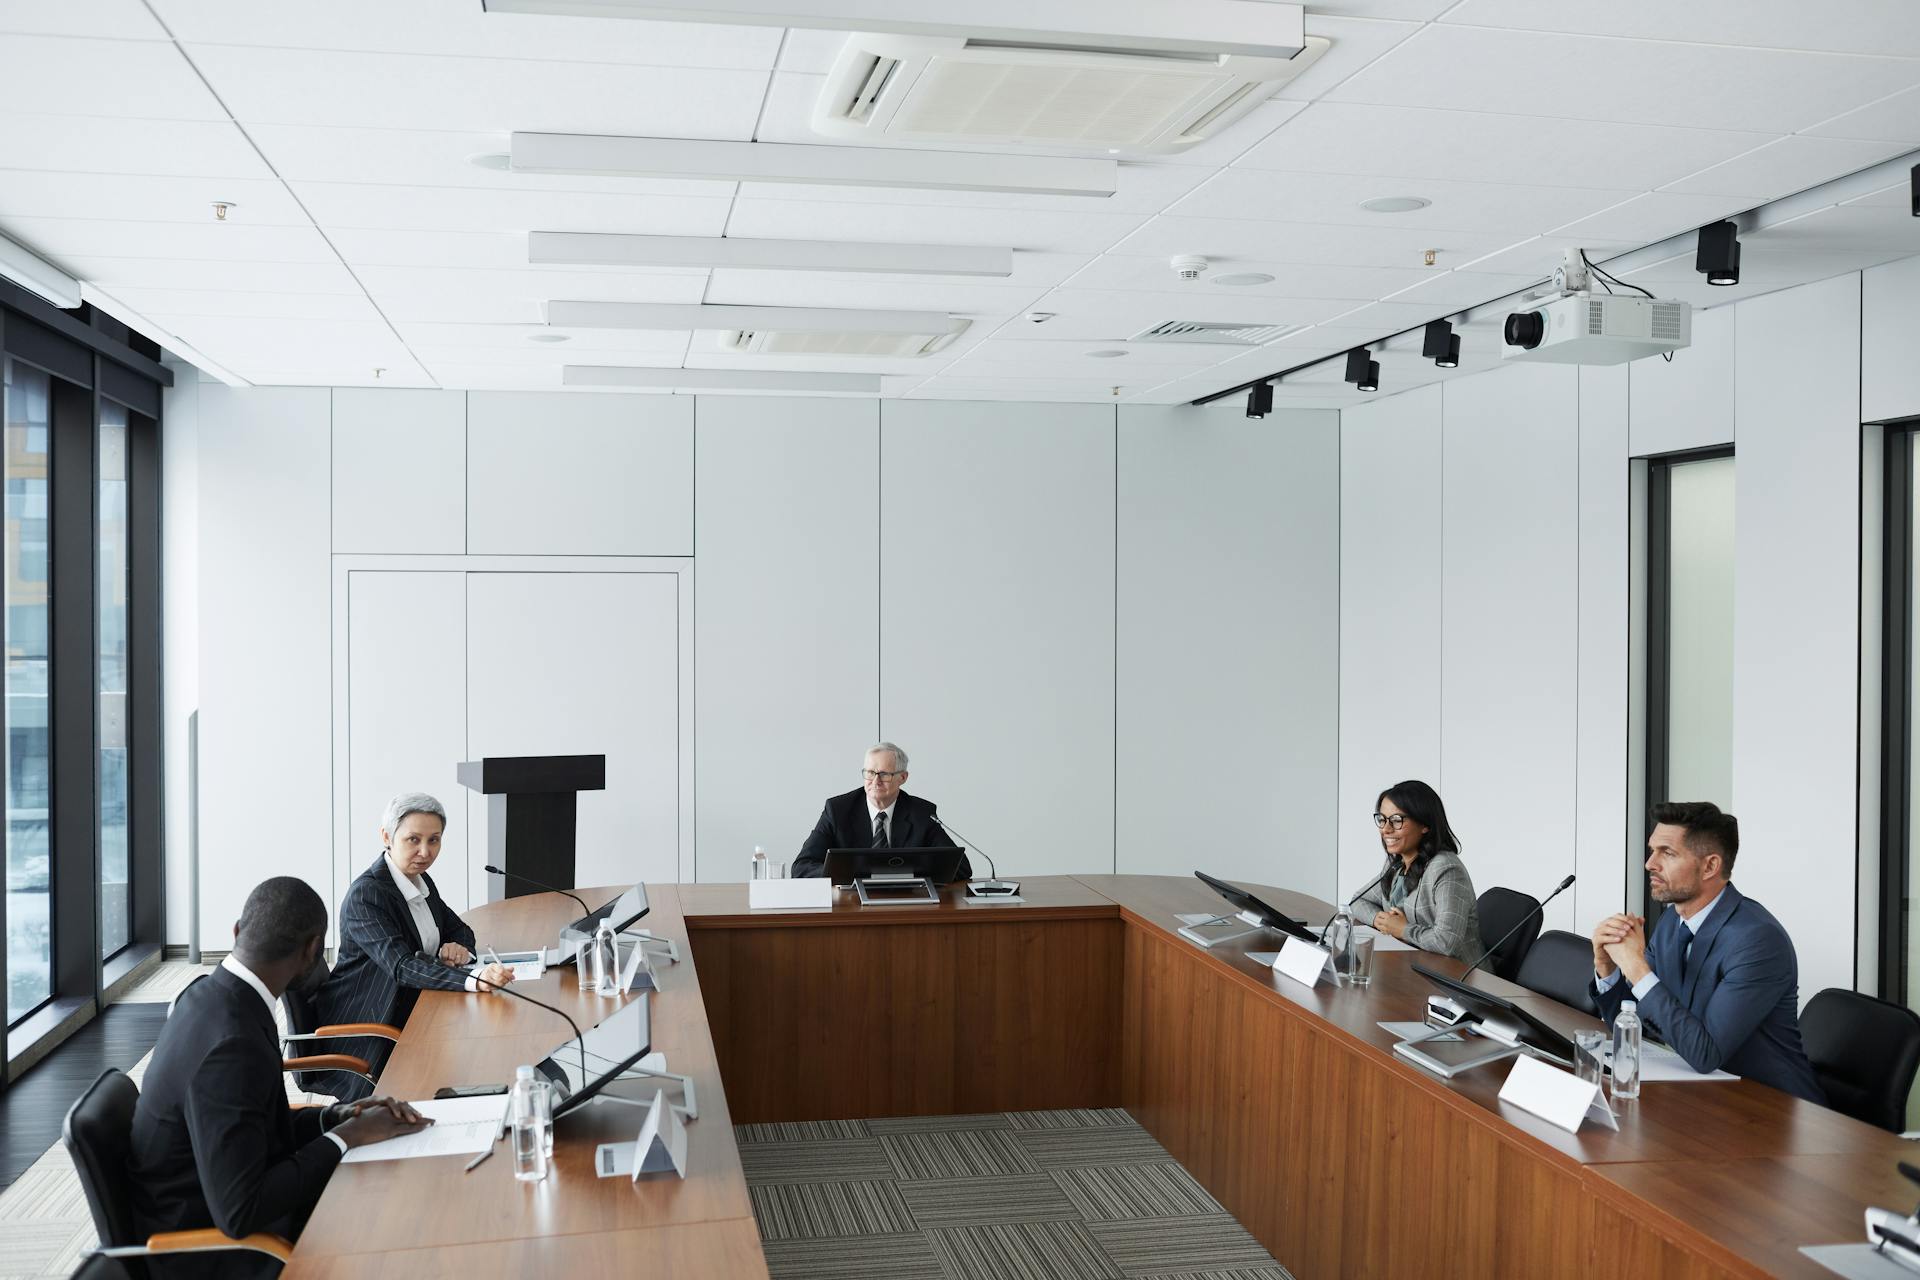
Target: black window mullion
1896,715
145,724
73,726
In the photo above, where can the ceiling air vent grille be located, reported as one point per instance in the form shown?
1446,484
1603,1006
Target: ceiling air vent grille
1219,332
777,342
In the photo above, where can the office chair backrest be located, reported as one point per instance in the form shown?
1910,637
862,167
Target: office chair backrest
1500,910
1864,1052
97,1266
1559,965
97,1133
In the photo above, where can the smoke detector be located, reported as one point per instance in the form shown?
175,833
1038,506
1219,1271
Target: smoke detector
1189,266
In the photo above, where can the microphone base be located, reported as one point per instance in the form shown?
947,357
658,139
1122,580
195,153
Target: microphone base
993,888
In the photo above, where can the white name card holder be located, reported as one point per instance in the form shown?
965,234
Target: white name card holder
1558,1097
1302,961
635,967
646,1082
662,1145
789,895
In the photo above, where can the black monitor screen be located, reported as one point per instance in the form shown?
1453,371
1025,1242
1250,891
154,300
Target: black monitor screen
938,863
1504,1015
1271,917
612,1046
621,912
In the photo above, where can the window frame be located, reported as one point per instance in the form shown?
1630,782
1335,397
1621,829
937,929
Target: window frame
1897,564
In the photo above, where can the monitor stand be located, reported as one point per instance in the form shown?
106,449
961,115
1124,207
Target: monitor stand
889,889
1219,929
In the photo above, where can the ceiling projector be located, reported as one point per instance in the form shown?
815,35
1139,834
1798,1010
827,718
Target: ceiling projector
1597,328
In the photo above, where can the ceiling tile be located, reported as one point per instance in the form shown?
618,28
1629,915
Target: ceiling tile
1239,137
1839,26
1646,82
503,296
487,95
1785,166
293,373
115,274
1290,279
338,204
810,52
491,376
1895,118
1652,217
167,148
462,28
1406,10
509,338
148,79
1098,315
1072,352
251,342
1305,242
230,242
110,19
1463,288
822,289
226,302
1044,231
1356,43
1841,227
1143,188
1382,318
1474,146
39,194
1336,199
497,250
1539,255
704,353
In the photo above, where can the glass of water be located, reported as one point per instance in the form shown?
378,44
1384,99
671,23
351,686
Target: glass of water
1590,1049
1360,958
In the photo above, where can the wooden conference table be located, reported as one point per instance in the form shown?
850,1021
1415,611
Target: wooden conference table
1285,1102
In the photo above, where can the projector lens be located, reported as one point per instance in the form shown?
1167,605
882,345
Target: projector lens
1526,329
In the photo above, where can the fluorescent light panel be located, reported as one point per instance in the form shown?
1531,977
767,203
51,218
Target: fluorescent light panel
36,275
576,248
607,156
710,315
600,375
1251,27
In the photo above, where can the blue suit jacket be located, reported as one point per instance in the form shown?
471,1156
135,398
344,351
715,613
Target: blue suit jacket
1737,1007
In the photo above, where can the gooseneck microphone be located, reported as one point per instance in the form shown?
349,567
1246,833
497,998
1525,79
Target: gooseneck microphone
1538,907
1371,885
579,1040
515,875
993,883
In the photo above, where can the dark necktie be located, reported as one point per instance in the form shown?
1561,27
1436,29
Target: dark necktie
880,840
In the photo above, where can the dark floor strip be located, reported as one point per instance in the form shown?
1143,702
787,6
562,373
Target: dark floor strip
32,1107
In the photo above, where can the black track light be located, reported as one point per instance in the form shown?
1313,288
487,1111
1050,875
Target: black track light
1371,381
1357,361
1260,400
1913,184
1433,343
1718,254
1451,360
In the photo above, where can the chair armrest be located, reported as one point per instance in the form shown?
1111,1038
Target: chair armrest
326,1062
380,1029
207,1239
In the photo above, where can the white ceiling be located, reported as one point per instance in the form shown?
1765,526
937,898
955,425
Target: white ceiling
363,238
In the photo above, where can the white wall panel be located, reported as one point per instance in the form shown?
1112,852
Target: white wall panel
180,623
1510,528
586,663
1600,804
1390,609
787,622
561,473
997,624
1687,404
1796,609
406,717
1228,630
265,706
1889,333
399,470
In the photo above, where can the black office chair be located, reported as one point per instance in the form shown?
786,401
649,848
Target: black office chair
96,1133
1500,910
301,1031
99,1266
1864,1052
1559,965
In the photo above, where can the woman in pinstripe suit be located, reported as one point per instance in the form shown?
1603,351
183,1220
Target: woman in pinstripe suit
392,913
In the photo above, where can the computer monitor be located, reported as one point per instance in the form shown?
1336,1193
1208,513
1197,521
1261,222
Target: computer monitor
621,913
1258,912
939,864
610,1048
1502,1018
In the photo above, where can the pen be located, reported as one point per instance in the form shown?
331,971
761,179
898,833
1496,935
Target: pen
478,1160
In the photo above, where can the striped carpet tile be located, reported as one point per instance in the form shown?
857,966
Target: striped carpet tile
972,1202
1119,1193
938,1124
1179,1246
905,1257
800,1131
1078,1118
963,1153
1022,1251
820,1210
1065,1148
1274,1272
854,1159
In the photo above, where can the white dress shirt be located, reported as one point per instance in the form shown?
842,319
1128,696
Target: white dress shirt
414,890
267,998
873,817
1694,924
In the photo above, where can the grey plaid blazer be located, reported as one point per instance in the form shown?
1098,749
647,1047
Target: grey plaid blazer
1443,913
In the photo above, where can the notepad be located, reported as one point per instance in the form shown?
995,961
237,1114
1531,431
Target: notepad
461,1127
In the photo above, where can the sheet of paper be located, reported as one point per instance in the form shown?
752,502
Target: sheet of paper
1381,941
461,1127
1661,1065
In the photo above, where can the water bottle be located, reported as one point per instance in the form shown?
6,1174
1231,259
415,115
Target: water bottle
761,870
1626,1051
606,960
1338,939
529,1117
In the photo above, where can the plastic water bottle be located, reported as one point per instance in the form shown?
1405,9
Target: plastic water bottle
1626,1051
606,960
530,1119
761,870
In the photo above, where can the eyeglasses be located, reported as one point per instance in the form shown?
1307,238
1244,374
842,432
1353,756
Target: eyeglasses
1397,821
882,775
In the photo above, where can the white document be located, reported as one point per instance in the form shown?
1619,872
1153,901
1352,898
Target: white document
1661,1065
526,965
461,1127
1381,941
1302,961
1556,1096
662,1145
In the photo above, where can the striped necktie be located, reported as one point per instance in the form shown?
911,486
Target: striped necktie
880,840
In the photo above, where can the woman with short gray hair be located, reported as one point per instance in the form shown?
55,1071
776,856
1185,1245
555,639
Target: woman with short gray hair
391,919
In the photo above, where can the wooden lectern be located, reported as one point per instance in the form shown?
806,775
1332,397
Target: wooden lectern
533,814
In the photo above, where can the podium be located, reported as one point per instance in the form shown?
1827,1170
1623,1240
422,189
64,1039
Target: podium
533,815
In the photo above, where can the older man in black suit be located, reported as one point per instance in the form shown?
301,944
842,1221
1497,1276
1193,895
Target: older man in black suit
215,1143
876,815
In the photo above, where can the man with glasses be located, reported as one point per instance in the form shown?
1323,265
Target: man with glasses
876,815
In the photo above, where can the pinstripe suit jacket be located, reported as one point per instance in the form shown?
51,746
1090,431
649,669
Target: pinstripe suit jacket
377,977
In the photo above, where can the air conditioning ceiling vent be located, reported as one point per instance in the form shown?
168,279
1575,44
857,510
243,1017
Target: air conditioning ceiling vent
777,342
1219,332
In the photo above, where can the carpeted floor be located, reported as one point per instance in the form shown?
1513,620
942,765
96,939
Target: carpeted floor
1025,1195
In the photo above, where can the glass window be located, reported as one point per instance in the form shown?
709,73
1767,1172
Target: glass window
29,860
116,899
1700,631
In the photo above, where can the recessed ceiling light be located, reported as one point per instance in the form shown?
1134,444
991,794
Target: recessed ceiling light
491,160
1107,354
549,337
1395,204
1244,278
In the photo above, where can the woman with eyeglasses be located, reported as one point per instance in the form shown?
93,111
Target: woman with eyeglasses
1424,895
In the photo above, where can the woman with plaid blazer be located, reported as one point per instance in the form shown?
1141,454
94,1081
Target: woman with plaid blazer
1424,895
